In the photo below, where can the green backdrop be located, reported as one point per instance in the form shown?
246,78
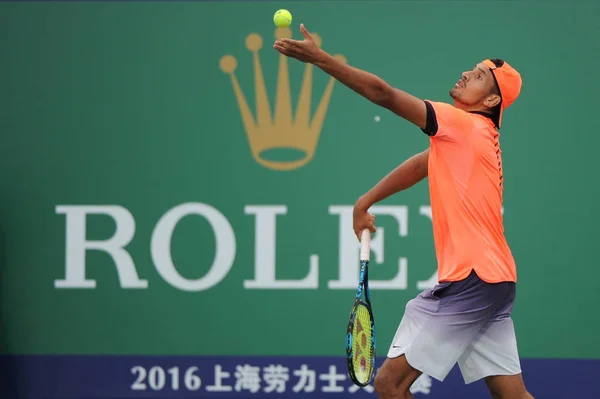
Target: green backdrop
126,105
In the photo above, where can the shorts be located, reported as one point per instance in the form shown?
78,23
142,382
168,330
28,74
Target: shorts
465,321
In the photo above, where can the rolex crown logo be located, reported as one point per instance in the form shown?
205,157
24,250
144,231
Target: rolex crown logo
269,133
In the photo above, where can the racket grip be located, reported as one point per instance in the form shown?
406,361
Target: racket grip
365,244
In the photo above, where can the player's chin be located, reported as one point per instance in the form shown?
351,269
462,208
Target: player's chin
454,93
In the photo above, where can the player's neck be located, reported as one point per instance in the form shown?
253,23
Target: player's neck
470,108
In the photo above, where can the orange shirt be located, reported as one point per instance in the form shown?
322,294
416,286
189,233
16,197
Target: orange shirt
466,184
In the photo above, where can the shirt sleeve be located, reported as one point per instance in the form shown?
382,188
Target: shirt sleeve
446,122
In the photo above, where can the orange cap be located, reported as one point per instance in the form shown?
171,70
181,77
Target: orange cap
509,82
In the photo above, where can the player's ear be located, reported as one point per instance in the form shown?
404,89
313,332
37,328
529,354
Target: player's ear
492,100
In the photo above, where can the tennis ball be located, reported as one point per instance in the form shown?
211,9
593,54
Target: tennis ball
282,18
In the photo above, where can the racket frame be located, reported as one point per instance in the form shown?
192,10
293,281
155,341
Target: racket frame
363,287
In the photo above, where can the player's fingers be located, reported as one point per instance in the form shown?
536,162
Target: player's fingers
280,49
371,227
305,32
290,49
290,42
283,50
359,229
358,232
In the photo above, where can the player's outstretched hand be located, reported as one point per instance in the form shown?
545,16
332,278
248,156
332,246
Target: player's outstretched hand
303,50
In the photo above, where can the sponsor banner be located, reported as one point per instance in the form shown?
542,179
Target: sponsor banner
171,377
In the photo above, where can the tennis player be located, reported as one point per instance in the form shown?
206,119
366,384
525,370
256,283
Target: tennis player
466,317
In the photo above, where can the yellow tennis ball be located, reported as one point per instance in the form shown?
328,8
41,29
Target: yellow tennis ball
282,18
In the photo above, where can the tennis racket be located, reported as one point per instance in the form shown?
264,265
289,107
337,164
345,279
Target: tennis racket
360,337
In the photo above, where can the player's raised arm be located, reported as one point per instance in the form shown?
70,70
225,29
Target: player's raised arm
364,83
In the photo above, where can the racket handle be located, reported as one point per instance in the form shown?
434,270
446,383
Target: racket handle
365,244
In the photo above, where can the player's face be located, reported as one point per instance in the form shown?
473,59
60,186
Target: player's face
475,87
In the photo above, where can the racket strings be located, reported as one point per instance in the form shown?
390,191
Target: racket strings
362,350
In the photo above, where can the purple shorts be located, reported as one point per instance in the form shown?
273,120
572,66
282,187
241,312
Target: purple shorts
465,321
